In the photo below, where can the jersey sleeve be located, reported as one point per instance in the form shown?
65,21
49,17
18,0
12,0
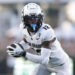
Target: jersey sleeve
49,35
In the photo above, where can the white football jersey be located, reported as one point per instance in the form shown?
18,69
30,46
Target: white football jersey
57,56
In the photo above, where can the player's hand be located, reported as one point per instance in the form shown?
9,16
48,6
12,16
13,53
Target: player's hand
15,50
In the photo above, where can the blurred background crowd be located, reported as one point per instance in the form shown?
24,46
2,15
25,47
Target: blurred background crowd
60,14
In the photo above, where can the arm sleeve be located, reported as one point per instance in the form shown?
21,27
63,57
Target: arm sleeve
43,58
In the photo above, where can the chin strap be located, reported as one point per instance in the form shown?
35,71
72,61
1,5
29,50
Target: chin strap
33,26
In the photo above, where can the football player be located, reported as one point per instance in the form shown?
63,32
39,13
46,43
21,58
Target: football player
40,44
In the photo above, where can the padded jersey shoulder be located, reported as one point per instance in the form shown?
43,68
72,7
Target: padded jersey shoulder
47,32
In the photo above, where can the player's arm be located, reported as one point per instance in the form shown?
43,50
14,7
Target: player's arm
46,44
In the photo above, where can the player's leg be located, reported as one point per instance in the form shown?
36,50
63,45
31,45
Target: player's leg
64,69
41,70
63,73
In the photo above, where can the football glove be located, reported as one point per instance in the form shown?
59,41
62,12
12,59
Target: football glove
16,50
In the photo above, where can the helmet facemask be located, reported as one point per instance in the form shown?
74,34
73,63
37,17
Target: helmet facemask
33,22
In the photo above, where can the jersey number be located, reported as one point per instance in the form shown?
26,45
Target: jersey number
46,27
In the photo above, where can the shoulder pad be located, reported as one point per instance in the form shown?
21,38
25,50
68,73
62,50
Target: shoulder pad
46,26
